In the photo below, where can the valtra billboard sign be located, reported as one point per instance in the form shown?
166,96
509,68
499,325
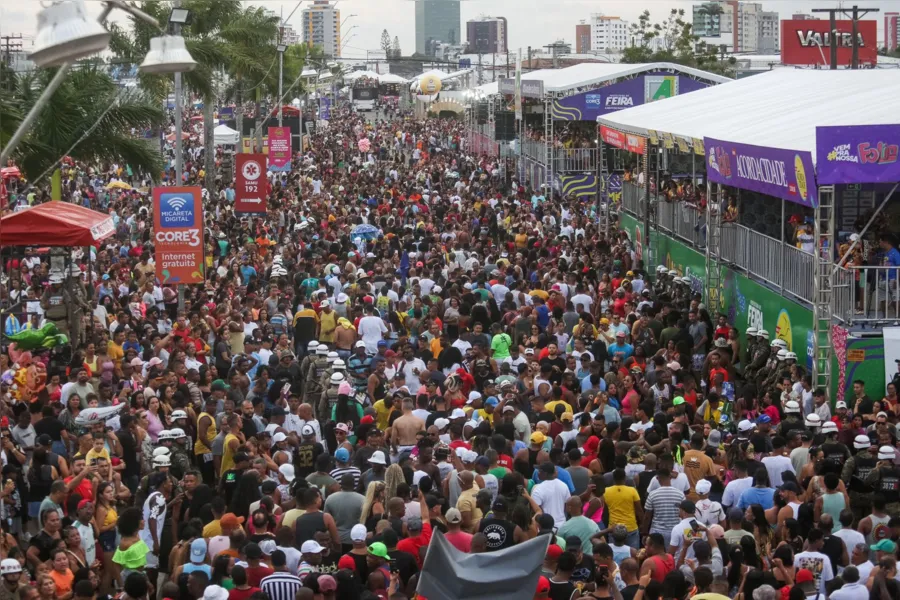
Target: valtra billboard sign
809,42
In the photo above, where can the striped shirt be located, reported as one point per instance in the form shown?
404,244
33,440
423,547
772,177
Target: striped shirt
338,472
665,503
281,586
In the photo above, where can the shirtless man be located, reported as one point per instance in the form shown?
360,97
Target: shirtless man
405,428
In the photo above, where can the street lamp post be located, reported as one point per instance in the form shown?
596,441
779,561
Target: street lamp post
178,17
281,49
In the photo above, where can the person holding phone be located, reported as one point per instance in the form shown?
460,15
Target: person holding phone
687,531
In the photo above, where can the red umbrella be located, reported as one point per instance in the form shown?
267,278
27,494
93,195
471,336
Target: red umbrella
10,172
184,136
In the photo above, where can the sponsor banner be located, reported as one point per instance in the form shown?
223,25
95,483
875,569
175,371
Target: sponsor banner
891,353
250,183
654,137
625,141
250,143
587,106
178,234
280,149
325,109
682,145
786,174
698,146
809,42
578,186
530,87
668,140
857,154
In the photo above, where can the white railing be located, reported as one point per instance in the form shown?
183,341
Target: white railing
574,159
875,293
533,149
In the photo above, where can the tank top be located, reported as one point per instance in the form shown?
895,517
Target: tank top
597,517
795,506
880,530
307,525
500,533
200,447
833,504
227,454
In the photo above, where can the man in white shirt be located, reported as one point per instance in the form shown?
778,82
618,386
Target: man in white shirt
412,366
813,560
851,537
551,494
777,463
854,587
372,330
736,486
687,529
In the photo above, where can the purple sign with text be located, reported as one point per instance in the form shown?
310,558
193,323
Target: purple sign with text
781,173
857,154
647,88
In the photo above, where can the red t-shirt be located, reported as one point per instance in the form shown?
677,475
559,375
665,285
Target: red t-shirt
461,540
412,545
504,460
236,594
256,574
83,489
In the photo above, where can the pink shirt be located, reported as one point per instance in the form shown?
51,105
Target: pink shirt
461,540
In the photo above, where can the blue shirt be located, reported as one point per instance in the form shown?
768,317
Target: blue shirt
623,351
246,273
543,316
586,384
891,259
765,497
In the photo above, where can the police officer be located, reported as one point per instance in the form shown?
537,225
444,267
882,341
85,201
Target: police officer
854,474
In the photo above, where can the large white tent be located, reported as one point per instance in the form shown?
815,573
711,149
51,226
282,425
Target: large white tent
778,109
354,75
223,134
390,78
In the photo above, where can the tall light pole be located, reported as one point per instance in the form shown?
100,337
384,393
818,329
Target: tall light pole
281,49
178,17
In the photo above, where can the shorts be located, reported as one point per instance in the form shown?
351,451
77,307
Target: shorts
107,541
152,561
34,509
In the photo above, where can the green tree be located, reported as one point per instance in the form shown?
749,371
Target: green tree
386,43
88,118
395,48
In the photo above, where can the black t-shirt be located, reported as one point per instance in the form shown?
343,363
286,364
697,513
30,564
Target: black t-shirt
561,590
833,548
584,571
500,533
546,415
229,482
507,430
50,426
129,454
44,543
305,458
555,376
629,591
405,564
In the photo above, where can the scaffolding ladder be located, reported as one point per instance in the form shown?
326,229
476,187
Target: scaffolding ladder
548,145
712,291
823,291
603,206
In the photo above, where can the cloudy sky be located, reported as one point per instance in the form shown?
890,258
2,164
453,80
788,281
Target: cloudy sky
531,22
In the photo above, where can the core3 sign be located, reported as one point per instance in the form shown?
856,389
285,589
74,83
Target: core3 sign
178,234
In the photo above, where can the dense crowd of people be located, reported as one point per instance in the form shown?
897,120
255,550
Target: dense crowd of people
411,340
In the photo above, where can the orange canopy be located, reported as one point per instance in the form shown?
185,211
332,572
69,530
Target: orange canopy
55,224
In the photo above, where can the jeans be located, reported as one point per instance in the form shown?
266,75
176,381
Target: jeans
634,539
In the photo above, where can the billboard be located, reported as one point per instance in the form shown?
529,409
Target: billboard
178,234
857,154
325,109
809,42
279,149
365,93
626,141
250,184
787,174
589,105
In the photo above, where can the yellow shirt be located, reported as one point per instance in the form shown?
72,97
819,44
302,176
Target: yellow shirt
382,414
466,502
435,346
620,499
291,516
212,529
203,446
228,454
93,454
115,352
489,417
551,407
328,323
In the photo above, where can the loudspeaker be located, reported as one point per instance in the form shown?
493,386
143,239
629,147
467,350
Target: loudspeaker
481,113
505,126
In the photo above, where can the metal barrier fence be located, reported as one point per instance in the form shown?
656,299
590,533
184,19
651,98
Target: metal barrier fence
533,149
875,293
575,159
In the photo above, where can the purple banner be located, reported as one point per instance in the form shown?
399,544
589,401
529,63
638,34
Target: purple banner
787,174
647,88
325,109
857,154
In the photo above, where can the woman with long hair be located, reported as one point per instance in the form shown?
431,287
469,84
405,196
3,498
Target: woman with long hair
154,418
763,532
221,572
105,521
245,494
373,507
393,477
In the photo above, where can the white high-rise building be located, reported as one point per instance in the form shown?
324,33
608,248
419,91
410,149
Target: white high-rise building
608,34
739,26
321,26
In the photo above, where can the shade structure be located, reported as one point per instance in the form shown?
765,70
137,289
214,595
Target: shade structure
55,224
223,134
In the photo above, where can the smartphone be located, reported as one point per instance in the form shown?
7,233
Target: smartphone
694,525
602,574
394,565
414,491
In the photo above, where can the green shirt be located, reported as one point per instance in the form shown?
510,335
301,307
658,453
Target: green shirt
500,345
583,527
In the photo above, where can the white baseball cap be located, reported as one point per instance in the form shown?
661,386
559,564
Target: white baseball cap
473,396
441,423
287,471
746,425
840,404
307,430
278,437
311,547
358,533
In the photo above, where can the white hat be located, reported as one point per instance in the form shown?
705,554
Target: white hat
854,237
782,353
278,437
339,364
791,407
322,350
268,547
661,268
721,343
307,430
473,396
469,456
312,345
829,427
358,533
287,471
780,343
377,458
746,425
791,356
359,344
54,278
311,547
161,451
441,423
813,420
458,413
165,434
861,442
337,378
324,304
332,356
763,333
10,566
672,273
886,453
177,433
162,461
840,404
215,592
341,298
703,486
178,414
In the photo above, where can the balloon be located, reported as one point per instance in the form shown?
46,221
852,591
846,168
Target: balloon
364,145
430,85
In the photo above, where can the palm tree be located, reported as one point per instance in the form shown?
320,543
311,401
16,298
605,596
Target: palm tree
88,118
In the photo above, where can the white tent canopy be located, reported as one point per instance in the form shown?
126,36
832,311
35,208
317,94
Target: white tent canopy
777,109
354,75
223,134
390,78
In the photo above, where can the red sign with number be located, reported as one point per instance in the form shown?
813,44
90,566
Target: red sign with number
250,183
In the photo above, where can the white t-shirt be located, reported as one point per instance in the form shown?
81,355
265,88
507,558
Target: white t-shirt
684,531
851,538
412,379
734,489
155,508
776,465
679,483
88,543
819,564
551,496
584,300
371,330
709,512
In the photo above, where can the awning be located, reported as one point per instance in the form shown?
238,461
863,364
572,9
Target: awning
223,134
779,109
55,224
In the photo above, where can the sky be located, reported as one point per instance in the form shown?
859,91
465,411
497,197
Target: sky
531,22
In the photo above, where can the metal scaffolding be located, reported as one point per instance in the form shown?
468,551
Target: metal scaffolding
823,290
548,144
714,195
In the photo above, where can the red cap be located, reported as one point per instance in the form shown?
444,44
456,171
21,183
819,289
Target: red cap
804,576
4,422
554,552
543,585
83,503
347,562
366,420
